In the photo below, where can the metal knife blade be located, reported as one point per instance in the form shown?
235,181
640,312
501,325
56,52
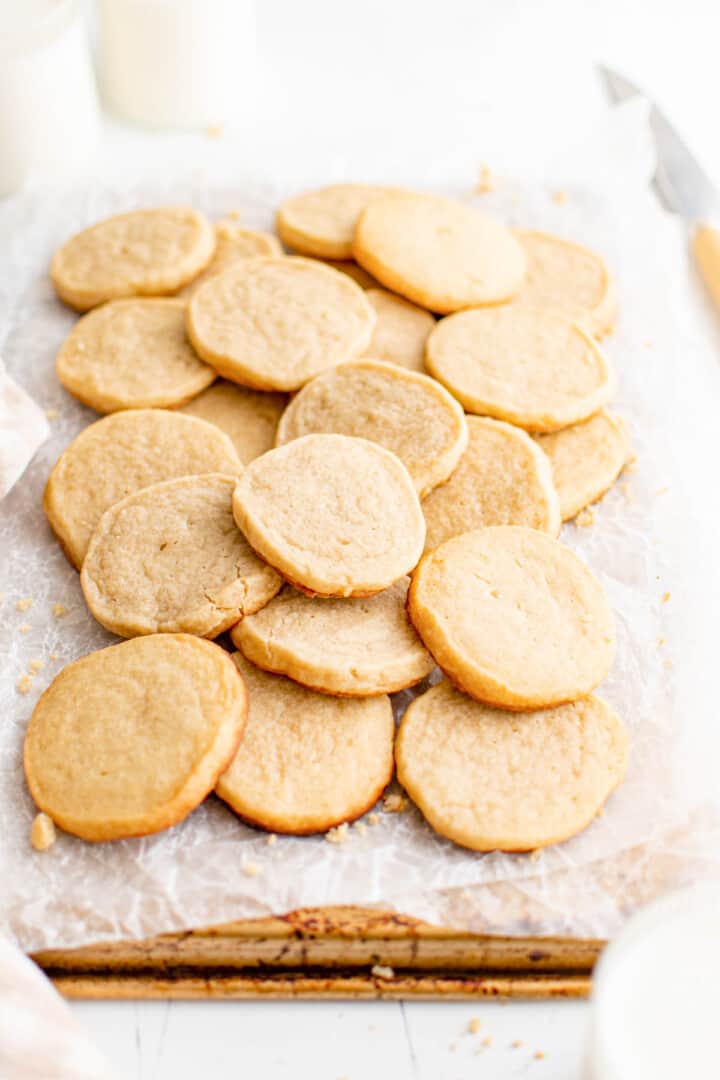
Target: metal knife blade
680,181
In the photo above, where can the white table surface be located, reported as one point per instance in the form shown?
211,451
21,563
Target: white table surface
333,78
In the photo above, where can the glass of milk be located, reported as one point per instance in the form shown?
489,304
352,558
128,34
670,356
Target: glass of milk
655,1001
177,63
48,102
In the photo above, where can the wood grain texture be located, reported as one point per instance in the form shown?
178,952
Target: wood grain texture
325,953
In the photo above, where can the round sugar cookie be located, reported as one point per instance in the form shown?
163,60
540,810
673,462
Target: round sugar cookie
249,417
401,330
232,245
405,412
335,515
513,617
143,253
120,454
132,354
355,648
353,270
501,480
322,222
586,460
128,740
438,253
170,559
307,761
533,368
567,278
274,323
491,781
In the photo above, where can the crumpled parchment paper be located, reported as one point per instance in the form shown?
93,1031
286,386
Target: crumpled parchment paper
652,536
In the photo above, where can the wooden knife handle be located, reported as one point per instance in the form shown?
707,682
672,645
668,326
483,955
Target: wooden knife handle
706,249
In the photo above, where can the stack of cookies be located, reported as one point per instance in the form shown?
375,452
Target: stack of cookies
397,513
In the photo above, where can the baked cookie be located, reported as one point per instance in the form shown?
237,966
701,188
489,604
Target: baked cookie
586,460
533,368
438,253
322,222
408,413
513,617
128,740
143,253
353,270
249,417
567,278
132,354
401,330
307,761
355,648
274,323
120,454
232,245
501,480
170,559
491,781
335,515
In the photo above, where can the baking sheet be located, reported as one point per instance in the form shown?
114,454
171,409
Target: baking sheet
646,541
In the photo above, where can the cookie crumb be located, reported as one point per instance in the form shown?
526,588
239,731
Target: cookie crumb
373,819
585,518
35,665
24,628
486,180
487,1041
394,803
663,490
271,839
235,215
360,827
668,663
473,1026
648,344
42,832
24,604
559,197
661,642
539,1055
337,835
381,971
53,656
24,684
215,131
666,597
516,1044
52,414
59,610
251,869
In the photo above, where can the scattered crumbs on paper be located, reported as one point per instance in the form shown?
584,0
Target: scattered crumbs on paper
585,518
668,663
381,971
661,642
360,827
394,803
271,839
42,832
235,215
214,131
252,869
24,684
666,597
373,819
559,197
24,628
487,1041
486,180
516,1044
663,490
53,656
337,835
59,610
25,604
474,1026
539,1055
35,665
52,414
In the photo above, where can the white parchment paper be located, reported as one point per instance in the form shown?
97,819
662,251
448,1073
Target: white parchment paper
653,535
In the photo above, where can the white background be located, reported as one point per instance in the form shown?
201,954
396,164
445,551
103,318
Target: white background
425,81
